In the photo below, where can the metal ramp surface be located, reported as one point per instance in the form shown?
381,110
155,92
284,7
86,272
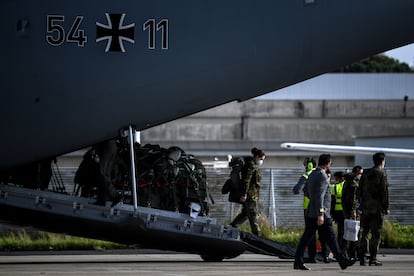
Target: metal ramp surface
265,246
148,227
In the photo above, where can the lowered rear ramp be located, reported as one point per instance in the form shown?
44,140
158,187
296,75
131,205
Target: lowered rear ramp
265,246
147,227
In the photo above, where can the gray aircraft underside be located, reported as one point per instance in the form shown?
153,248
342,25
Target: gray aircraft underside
75,72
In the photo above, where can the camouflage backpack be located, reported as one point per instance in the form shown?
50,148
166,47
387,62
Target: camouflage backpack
234,185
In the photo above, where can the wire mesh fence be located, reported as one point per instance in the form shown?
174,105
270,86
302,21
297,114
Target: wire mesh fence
277,201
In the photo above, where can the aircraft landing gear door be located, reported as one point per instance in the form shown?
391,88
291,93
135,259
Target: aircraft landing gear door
133,137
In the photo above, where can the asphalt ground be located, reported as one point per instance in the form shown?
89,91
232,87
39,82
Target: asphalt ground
147,262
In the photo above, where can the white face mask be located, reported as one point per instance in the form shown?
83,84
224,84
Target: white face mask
260,162
358,176
96,159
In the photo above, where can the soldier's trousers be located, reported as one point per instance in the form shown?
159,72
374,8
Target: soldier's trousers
370,222
249,211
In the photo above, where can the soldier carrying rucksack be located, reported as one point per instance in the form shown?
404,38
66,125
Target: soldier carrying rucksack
249,190
233,186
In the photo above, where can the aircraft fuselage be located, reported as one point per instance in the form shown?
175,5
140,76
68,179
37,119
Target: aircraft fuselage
75,72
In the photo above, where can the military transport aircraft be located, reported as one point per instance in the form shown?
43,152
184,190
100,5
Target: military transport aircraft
76,72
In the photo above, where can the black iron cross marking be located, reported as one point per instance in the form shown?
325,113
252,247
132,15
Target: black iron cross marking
115,32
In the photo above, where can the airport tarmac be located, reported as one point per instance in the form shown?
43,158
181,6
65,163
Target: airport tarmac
171,264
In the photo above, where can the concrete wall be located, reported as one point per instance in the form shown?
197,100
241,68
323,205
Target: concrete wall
406,142
234,128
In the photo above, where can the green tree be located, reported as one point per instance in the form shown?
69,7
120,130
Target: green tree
376,64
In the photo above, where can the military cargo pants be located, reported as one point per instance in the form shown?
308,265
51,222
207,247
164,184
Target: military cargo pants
370,222
249,211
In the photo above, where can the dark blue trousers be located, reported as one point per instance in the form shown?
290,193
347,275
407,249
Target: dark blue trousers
326,231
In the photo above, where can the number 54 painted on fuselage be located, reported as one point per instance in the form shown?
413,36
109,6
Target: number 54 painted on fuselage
75,72
114,32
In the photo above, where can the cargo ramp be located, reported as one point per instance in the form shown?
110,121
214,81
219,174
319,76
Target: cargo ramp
260,245
146,227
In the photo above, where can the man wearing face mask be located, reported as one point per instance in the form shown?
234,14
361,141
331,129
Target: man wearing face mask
350,206
250,179
357,172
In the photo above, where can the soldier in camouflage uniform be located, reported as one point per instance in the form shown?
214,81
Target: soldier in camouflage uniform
251,185
373,188
350,205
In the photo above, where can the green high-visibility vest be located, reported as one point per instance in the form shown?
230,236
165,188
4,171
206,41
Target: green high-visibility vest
305,198
306,201
336,190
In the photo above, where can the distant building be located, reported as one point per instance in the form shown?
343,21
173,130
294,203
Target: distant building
329,109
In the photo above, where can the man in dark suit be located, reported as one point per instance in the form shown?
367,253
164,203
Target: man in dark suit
317,215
